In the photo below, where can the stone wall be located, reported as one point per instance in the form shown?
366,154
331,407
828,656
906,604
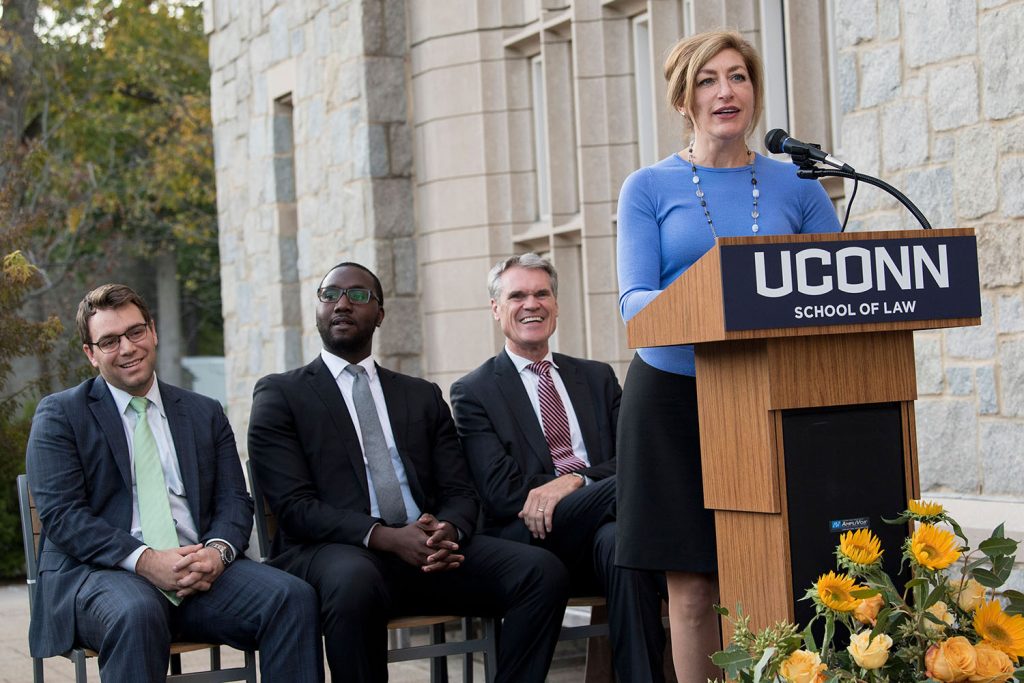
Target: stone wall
932,100
314,164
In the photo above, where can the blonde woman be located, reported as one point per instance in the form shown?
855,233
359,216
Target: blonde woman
670,214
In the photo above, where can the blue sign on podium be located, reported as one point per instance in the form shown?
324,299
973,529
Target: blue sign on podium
850,282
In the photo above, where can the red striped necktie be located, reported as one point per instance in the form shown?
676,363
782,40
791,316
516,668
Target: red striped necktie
554,421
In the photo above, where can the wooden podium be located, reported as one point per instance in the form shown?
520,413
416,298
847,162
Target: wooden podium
813,384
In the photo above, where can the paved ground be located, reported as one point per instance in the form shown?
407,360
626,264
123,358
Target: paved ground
16,665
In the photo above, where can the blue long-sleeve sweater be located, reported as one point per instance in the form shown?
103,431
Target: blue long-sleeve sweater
662,230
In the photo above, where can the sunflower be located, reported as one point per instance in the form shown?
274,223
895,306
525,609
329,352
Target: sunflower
861,547
836,592
933,547
924,508
999,629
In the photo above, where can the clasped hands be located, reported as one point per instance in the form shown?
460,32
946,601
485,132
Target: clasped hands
185,570
427,543
539,509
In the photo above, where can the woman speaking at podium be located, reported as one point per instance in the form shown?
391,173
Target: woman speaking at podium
669,215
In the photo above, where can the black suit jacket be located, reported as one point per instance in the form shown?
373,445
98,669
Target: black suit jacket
80,474
308,460
504,441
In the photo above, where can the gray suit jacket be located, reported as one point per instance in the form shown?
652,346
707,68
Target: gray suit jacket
504,442
80,474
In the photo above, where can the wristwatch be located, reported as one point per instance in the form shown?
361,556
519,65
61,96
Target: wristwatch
227,554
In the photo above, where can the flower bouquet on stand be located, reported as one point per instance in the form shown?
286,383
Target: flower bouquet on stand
946,625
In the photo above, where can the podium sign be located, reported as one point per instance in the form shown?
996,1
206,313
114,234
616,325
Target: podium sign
849,282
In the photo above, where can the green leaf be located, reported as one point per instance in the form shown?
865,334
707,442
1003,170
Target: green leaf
722,611
998,532
830,630
937,594
996,547
987,578
864,593
914,583
809,643
732,660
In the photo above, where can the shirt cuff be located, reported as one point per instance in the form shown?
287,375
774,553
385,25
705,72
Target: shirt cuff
129,562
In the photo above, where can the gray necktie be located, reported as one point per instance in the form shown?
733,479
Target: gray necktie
375,448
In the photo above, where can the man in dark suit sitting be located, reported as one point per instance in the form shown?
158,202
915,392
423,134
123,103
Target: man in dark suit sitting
375,506
145,515
538,430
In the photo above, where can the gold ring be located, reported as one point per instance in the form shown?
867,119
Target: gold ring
540,509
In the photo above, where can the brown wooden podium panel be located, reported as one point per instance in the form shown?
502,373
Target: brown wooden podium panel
828,370
737,433
753,567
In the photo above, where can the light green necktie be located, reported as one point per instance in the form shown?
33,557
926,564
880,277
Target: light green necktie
158,530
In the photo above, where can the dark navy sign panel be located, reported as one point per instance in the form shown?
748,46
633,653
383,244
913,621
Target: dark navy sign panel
805,284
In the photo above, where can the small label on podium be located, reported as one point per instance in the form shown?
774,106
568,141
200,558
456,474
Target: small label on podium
850,282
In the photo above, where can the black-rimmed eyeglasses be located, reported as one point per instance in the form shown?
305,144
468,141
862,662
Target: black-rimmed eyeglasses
357,295
111,343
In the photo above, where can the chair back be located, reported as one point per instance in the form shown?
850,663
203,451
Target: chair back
31,535
266,523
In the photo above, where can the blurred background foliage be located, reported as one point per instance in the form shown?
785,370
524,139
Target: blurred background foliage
106,174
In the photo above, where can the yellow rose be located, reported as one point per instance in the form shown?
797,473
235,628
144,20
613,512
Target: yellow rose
870,655
951,661
867,611
943,614
970,594
802,667
993,666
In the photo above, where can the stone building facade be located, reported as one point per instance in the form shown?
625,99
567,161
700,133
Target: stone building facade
429,138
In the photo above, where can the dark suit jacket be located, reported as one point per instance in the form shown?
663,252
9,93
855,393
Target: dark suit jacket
80,474
308,460
504,441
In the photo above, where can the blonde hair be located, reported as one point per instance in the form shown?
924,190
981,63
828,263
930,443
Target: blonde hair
689,56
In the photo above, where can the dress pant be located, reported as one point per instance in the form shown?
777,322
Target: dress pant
361,589
250,606
583,537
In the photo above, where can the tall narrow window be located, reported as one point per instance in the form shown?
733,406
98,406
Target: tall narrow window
776,98
540,138
643,78
287,230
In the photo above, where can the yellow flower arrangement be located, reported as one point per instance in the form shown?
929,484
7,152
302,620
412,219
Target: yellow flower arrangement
933,547
924,508
836,592
991,665
999,629
869,653
900,629
803,667
861,546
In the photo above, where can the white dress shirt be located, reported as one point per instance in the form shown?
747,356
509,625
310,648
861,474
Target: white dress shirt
157,417
531,381
345,380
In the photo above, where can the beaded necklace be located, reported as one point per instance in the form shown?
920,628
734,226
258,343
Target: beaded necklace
755,193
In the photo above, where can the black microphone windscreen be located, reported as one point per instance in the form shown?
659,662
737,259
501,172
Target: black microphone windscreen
774,139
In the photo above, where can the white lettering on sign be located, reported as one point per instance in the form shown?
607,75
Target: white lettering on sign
854,271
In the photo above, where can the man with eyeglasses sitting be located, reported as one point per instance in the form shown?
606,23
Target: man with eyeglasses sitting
375,506
145,515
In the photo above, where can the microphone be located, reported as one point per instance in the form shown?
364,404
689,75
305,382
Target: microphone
778,142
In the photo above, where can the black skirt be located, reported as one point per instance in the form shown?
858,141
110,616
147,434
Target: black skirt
662,523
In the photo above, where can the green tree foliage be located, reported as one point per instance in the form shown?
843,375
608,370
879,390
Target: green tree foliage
118,126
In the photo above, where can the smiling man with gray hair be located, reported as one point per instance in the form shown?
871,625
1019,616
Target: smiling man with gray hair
538,430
